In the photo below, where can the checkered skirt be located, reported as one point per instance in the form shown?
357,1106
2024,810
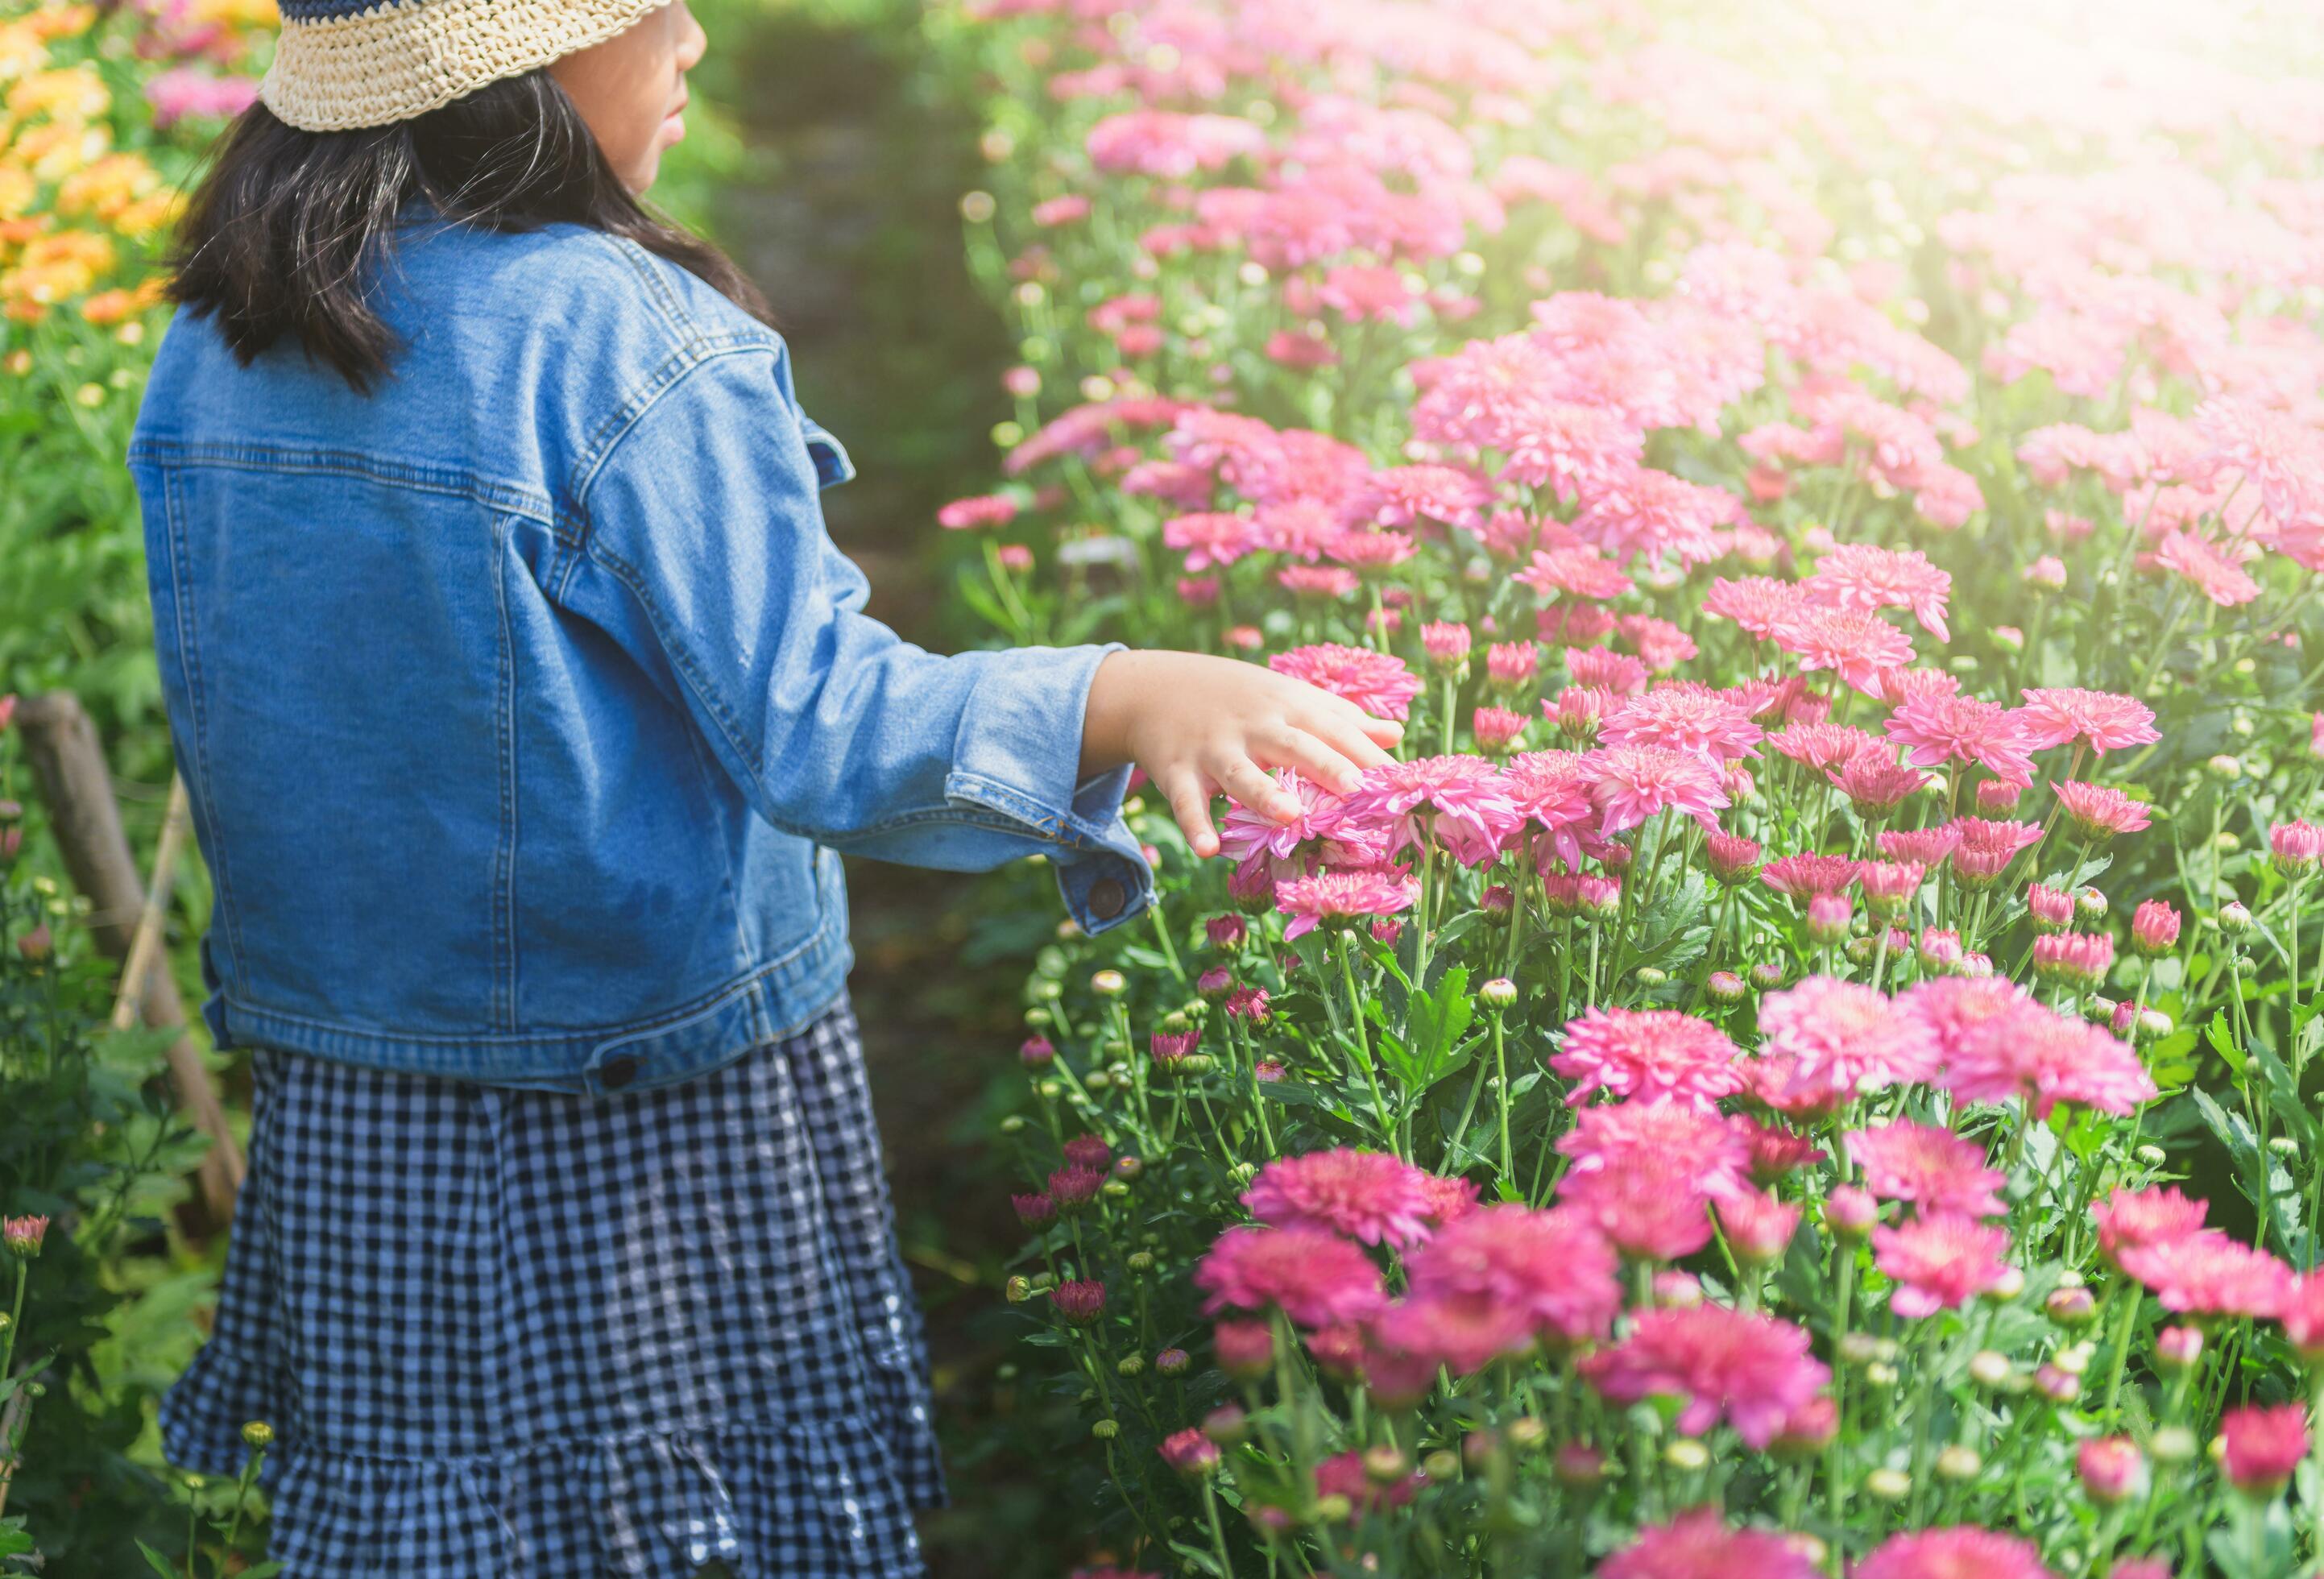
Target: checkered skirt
518,1334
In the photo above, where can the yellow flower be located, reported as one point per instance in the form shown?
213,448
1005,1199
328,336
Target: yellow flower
106,188
17,190
21,50
157,210
68,93
61,22
55,149
242,15
108,306
53,268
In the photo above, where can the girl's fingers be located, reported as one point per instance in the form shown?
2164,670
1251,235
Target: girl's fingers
1383,731
1189,796
1321,760
1254,787
1347,736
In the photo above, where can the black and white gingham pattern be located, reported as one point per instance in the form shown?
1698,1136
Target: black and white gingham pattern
515,1334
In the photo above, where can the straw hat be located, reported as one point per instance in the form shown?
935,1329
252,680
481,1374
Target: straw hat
347,63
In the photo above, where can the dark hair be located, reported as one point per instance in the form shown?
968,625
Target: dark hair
288,231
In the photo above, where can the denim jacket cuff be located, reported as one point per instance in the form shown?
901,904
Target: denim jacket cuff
1019,754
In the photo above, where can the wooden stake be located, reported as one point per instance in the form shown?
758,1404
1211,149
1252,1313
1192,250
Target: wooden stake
62,746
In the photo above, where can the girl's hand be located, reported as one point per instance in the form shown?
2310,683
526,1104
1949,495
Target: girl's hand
1202,727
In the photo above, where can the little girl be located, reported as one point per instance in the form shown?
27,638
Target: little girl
525,704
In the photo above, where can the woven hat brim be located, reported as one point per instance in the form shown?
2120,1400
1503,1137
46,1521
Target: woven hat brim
397,60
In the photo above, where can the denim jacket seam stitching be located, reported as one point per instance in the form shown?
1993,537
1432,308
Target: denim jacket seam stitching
605,443
487,492
503,902
189,658
730,893
672,310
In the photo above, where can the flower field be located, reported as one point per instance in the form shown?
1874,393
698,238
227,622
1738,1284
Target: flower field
1804,1065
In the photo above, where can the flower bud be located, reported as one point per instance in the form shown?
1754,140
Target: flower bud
1989,1368
1443,1465
2110,1468
1768,975
1245,1348
257,1434
1827,918
1526,1433
1108,984
1880,1373
2089,905
23,1235
1080,1302
1106,1430
1191,1452
1850,1212
1384,1465
1017,1290
2056,1385
1650,975
1497,993
1171,1362
2070,1308
1687,1455
1579,1465
1131,1365
1141,1261
1227,1425
1725,987
1959,1463
2177,1348
2225,769
1675,1290
1888,1485
1037,1052
2173,1445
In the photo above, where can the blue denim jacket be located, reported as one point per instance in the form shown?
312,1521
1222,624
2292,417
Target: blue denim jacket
523,702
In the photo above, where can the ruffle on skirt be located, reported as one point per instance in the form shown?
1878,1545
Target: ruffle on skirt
798,1502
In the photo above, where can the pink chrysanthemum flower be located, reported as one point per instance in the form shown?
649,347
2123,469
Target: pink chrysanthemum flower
1847,1038
1245,833
1209,538
1463,1332
2044,1058
1860,575
1807,874
1934,1168
2133,1219
2207,1273
1512,665
1714,1147
1927,847
1375,681
2079,958
1985,848
1959,1552
2105,721
1577,571
1939,1261
1652,1055
1752,1370
1553,1267
1956,1008
2215,569
2260,1446
1368,1196
1343,1475
1852,643
1402,495
1759,603
1732,858
1655,515
2303,1317
2100,810
1604,669
1551,788
1702,723
1311,1275
1339,895
1822,746
1935,730
1648,1205
1874,782
1459,801
1630,783
1700,1545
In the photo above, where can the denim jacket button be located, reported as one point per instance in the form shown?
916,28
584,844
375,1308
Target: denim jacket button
618,1072
1106,898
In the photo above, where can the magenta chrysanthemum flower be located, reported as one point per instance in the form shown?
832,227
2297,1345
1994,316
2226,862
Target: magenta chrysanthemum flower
1650,1205
1806,874
2207,1273
1700,1545
1874,782
1759,603
2133,1219
1752,1370
1401,495
1927,847
1845,1037
1210,537
1959,1552
2100,810
1821,744
1375,681
1715,1148
1934,1168
1936,730
1245,833
2045,1058
2260,1446
2105,721
1460,1332
1653,1055
1311,1275
1954,1008
1985,848
1702,723
1630,783
1340,895
1852,643
1577,571
1368,1196
1551,790
1939,1261
1553,1267
1461,801
1860,575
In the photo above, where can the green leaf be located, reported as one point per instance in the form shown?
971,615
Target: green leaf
2223,1041
159,1564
